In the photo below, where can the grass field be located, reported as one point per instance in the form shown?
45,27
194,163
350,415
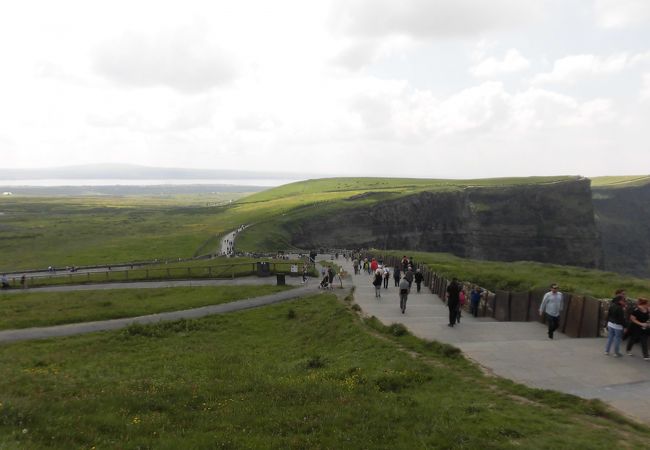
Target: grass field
39,232
526,275
303,374
56,308
623,181
64,231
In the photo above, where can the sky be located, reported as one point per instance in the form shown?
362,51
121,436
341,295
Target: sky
409,88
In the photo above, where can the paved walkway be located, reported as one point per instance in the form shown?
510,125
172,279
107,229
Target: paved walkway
103,325
520,351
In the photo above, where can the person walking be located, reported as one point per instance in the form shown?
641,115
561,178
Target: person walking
615,323
461,303
418,278
453,292
404,287
638,328
377,281
396,275
475,300
551,308
409,276
386,277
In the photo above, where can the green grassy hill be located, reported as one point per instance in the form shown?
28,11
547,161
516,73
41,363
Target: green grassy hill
303,374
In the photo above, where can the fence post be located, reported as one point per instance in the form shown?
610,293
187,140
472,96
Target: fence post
509,306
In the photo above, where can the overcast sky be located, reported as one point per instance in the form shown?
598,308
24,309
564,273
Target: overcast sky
416,88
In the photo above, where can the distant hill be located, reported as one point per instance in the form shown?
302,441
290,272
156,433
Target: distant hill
135,172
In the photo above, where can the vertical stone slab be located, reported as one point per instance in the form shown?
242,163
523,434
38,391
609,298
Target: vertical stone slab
518,306
502,306
573,318
567,298
590,326
536,297
488,305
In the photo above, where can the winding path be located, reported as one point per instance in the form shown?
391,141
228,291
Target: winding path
520,351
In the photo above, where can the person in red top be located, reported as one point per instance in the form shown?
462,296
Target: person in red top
374,265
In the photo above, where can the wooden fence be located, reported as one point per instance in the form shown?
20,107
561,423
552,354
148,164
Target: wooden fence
582,316
221,271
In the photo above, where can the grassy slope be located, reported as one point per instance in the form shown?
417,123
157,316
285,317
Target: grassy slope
37,232
56,308
527,275
623,181
305,374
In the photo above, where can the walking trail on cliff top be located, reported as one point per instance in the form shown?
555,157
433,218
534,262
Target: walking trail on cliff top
520,351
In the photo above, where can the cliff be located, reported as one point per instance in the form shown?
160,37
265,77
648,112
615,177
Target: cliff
623,220
551,222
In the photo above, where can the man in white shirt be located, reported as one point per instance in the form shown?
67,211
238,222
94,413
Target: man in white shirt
551,306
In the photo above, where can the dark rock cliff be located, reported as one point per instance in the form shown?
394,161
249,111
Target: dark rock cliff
540,222
623,219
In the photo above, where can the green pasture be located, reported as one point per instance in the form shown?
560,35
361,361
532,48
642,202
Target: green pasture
38,232
622,181
186,270
526,275
302,374
24,310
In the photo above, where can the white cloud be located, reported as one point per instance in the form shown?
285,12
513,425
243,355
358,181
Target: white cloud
181,59
490,67
645,88
425,18
571,69
621,13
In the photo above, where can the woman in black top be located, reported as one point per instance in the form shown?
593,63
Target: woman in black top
638,326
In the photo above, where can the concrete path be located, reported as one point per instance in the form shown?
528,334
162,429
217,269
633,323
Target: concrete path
520,351
240,281
89,327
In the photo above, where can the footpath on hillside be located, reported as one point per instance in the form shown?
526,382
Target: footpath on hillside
7,336
520,351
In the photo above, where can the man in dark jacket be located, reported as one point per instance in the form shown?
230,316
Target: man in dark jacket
615,324
418,279
453,300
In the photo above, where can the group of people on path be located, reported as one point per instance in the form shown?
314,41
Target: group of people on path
403,275
629,320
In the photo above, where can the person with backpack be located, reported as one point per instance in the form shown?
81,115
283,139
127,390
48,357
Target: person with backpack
396,275
377,281
386,277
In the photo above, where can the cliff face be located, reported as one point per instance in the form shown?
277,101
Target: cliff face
544,222
623,219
